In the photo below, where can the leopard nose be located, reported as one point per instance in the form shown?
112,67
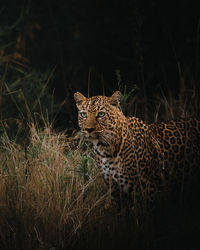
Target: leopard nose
89,130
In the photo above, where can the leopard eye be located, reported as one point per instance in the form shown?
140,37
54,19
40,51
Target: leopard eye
101,114
83,114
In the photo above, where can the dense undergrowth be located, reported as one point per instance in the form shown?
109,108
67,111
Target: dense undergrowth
51,194
53,197
44,200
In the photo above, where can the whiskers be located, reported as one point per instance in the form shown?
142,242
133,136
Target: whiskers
105,136
104,139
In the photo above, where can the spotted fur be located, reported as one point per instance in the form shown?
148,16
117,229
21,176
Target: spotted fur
135,158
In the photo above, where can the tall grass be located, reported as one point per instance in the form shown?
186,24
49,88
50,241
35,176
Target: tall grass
53,197
44,197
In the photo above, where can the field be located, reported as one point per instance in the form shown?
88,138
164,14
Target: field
52,197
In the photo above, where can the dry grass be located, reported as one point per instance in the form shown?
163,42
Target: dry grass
53,197
43,196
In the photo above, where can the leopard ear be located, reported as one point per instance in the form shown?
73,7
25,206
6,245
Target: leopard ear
115,99
79,98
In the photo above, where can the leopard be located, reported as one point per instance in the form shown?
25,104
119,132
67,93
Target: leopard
138,159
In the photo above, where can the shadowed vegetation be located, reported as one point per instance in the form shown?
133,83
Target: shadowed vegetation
53,197
51,193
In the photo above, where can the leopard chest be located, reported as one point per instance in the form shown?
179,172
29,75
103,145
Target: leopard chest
112,169
109,164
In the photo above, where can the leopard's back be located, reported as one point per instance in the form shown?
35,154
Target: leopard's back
134,157
178,147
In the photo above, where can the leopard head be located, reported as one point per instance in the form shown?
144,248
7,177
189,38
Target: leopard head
98,115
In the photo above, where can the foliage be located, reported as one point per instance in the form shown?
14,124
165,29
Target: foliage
51,194
85,167
123,89
143,43
43,191
24,100
53,198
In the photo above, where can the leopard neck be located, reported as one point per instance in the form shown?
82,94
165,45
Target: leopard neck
128,132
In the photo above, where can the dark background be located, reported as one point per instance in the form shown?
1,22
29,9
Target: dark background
151,44
148,49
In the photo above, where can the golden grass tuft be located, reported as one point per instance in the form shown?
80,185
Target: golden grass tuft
53,197
43,195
